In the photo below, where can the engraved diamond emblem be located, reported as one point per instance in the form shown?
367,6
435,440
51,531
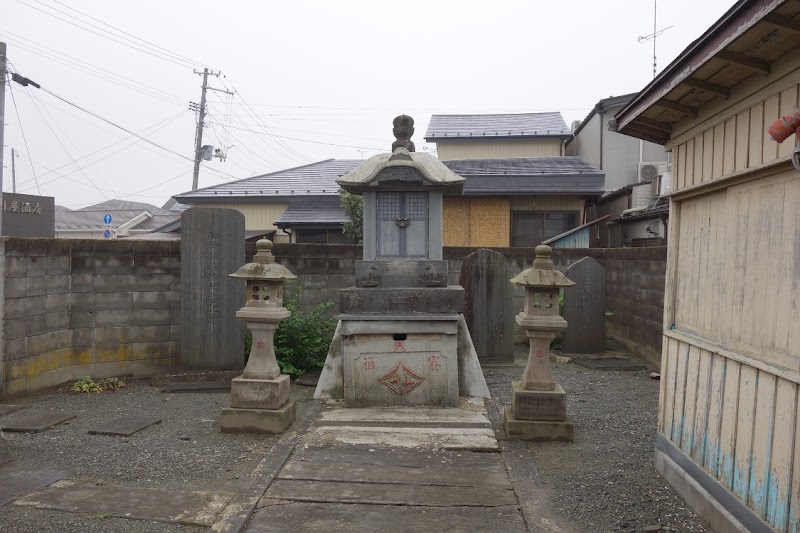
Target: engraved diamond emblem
400,379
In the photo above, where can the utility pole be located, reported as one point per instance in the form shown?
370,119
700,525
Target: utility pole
198,136
2,122
13,171
199,151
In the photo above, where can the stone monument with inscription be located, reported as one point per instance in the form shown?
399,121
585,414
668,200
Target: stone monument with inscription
212,246
585,308
401,338
538,408
260,396
489,306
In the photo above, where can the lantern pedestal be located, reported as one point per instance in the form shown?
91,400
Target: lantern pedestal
260,396
538,409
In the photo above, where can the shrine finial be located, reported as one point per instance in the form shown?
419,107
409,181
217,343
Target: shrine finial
403,130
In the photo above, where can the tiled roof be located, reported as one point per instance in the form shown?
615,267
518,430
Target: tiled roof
315,179
545,175
312,211
567,165
124,205
92,220
461,127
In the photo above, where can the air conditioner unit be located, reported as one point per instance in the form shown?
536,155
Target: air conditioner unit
651,172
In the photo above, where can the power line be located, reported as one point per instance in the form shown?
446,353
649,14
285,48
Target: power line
24,140
312,141
181,63
158,126
64,148
170,52
91,69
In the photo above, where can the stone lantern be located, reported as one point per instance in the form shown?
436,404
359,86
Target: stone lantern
538,408
260,396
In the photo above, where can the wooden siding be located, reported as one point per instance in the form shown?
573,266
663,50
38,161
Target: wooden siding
736,143
548,203
451,150
731,360
258,216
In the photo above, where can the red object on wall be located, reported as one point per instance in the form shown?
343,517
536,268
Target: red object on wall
783,128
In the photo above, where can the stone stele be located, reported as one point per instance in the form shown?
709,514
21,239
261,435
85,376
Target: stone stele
585,308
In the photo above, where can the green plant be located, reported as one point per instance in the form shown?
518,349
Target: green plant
353,206
302,340
86,384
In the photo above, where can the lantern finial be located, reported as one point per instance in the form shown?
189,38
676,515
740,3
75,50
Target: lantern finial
543,257
264,252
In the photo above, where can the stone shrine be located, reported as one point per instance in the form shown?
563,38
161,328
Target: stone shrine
401,338
260,396
538,408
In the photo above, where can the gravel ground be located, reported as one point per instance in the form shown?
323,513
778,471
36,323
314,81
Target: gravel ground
186,451
604,480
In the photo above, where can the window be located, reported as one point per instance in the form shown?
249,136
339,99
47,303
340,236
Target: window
530,228
320,236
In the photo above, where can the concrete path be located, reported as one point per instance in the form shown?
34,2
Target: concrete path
393,470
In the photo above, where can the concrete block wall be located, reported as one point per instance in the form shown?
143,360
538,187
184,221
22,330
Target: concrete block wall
635,280
78,307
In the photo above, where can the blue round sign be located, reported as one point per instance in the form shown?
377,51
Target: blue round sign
107,234
107,219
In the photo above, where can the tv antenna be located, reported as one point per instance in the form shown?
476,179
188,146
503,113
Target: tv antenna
654,35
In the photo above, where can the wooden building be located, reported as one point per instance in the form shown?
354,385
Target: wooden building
729,424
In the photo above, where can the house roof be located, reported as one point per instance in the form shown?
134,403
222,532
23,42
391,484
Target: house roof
601,107
524,175
124,205
321,211
743,43
571,175
472,127
315,179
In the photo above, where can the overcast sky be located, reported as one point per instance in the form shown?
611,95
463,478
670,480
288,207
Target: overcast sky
313,80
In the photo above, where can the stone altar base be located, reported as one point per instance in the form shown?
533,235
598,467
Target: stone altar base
235,420
400,362
258,406
538,415
260,393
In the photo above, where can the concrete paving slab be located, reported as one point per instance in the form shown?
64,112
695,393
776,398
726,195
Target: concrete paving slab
5,409
471,439
609,364
401,416
182,507
125,426
389,494
386,457
19,483
36,423
356,518
431,474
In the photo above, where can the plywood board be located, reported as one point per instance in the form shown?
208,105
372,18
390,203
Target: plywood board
772,240
762,443
680,392
743,452
770,149
716,393
780,471
690,402
698,443
757,133
787,105
727,434
742,140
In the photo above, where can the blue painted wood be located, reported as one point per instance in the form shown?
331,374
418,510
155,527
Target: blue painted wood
578,239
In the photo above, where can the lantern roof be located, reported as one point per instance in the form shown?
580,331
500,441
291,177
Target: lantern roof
543,273
403,166
264,267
